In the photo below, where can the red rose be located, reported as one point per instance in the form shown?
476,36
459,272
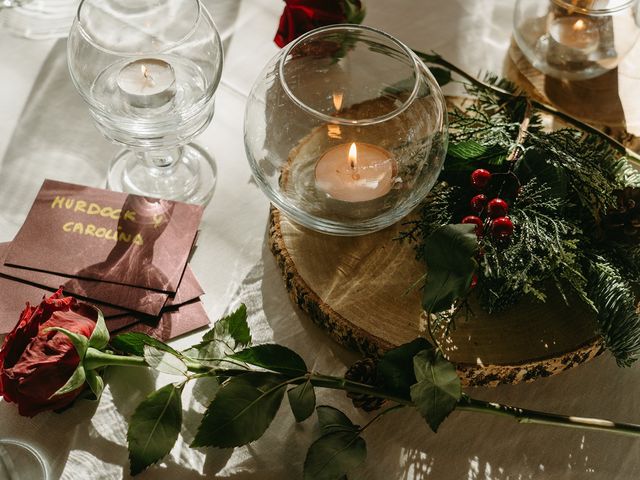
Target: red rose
35,363
301,16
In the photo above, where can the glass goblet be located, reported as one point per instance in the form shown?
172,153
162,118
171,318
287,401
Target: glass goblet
148,69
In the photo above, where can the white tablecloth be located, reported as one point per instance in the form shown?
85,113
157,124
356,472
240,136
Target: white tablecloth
46,132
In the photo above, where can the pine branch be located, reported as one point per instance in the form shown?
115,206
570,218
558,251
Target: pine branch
618,319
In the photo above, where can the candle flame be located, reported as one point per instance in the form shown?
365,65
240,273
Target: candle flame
353,156
147,76
579,25
337,100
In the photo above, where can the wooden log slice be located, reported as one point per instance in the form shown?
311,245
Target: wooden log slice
356,289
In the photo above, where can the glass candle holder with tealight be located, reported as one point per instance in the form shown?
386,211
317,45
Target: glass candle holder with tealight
346,130
576,39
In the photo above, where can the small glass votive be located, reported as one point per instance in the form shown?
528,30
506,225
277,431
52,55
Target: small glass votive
346,130
576,39
20,461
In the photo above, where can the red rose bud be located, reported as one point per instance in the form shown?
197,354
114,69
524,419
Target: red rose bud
302,16
478,203
502,227
474,281
36,363
480,178
497,208
477,221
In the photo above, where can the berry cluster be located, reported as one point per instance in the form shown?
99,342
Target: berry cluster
494,211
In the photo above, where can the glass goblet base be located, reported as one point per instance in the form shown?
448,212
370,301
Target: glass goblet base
186,174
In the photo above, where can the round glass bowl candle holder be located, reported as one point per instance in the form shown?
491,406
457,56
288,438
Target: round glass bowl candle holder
346,130
148,70
576,39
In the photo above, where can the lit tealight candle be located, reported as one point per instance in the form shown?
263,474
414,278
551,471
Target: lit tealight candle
356,172
578,34
147,83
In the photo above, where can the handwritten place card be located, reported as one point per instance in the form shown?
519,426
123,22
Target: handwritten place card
108,236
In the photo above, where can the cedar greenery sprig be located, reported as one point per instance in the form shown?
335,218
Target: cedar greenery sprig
565,182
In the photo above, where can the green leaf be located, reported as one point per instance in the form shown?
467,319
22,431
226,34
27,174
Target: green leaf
333,455
442,75
133,343
80,342
233,326
395,367
95,382
273,357
449,253
438,389
100,336
165,362
302,400
154,427
75,381
331,420
241,411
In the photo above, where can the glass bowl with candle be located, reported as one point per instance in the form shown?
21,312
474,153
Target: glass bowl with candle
346,130
148,69
576,39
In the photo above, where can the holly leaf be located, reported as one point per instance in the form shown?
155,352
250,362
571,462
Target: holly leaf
302,399
395,367
232,327
331,420
442,75
154,427
449,253
133,343
241,411
273,357
438,388
165,362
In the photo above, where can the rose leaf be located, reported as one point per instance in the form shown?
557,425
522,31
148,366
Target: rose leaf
241,411
302,400
395,368
232,327
154,427
438,388
331,419
133,343
273,357
334,455
165,362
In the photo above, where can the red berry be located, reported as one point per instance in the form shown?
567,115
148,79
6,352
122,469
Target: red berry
480,178
478,203
477,221
474,281
502,227
497,208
